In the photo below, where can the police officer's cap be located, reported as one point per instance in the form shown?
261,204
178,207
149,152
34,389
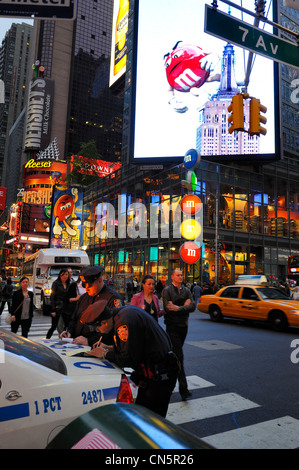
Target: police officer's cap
92,271
96,312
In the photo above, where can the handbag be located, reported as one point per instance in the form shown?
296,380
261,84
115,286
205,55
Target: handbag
8,319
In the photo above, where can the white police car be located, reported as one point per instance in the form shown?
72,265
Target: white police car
44,385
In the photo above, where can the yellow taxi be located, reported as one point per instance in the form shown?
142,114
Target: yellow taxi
251,299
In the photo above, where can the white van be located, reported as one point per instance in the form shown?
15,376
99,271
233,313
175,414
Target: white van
42,269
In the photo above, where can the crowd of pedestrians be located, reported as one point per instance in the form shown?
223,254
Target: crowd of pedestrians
124,331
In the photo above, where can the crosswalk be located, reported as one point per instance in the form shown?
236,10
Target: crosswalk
278,433
38,329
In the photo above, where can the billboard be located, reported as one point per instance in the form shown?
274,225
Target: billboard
120,23
184,80
39,113
2,198
66,218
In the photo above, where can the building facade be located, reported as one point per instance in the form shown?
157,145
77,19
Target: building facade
257,222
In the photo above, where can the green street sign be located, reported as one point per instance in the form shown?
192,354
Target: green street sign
226,27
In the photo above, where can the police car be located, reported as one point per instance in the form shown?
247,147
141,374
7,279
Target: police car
252,299
45,385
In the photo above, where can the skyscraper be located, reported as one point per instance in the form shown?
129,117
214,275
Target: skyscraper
76,55
14,63
213,137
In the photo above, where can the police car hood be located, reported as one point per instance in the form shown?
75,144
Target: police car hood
76,363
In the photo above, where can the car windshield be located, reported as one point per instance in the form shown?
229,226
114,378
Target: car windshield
33,351
271,293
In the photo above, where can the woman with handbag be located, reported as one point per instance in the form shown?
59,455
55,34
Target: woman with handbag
58,291
22,308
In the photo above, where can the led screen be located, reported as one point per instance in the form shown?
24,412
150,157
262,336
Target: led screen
120,23
178,106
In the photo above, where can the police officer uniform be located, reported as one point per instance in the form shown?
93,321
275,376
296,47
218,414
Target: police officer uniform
141,344
113,298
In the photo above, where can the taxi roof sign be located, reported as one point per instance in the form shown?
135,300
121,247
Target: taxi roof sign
253,280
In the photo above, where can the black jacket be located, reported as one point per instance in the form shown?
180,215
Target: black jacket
178,297
17,300
57,295
78,329
140,340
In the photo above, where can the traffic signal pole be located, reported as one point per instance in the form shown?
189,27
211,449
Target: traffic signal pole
260,11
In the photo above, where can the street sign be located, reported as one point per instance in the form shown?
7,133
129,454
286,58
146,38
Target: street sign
39,9
226,27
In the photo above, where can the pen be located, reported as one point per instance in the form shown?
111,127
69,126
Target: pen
98,342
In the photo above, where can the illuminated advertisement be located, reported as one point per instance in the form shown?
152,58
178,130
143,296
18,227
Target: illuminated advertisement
185,79
66,217
119,40
93,166
2,198
39,113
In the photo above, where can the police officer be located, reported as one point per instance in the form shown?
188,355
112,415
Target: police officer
96,290
141,344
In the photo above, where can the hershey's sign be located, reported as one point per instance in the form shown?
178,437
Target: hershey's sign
39,114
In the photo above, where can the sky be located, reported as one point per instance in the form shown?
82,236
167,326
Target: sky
5,24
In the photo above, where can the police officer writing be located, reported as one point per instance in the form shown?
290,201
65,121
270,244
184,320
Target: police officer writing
141,344
178,303
96,290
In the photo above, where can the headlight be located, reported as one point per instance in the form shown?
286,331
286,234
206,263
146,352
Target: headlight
47,291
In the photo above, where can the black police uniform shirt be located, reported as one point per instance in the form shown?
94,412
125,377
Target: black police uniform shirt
139,339
76,328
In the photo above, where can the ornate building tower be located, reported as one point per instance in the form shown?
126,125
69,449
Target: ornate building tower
213,137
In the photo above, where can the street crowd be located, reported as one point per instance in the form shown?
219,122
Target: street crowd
124,331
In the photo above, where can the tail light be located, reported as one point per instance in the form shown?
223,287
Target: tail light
124,393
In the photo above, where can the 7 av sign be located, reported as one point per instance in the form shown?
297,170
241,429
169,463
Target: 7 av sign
39,9
249,37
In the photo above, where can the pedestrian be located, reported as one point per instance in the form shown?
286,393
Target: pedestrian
70,299
140,344
58,291
95,290
197,293
178,304
135,285
129,288
287,288
146,299
70,273
159,288
22,308
7,295
295,291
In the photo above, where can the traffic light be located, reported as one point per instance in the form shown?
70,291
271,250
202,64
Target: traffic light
255,118
236,119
